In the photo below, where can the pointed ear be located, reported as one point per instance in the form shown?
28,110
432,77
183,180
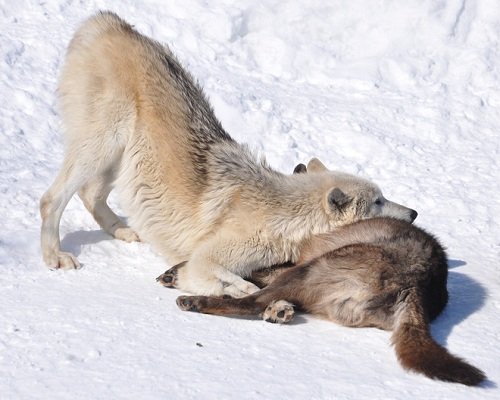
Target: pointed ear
316,166
337,199
300,169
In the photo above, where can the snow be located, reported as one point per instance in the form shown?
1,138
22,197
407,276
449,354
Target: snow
404,93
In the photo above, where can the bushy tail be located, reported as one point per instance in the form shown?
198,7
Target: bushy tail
417,350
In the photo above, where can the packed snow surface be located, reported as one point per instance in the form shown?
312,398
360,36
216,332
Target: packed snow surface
405,93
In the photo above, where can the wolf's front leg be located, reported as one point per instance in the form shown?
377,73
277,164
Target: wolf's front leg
211,279
216,267
232,285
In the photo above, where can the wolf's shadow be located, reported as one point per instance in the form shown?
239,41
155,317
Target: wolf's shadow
466,297
74,241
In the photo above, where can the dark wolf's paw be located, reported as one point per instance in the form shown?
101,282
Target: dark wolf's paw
169,277
187,303
280,312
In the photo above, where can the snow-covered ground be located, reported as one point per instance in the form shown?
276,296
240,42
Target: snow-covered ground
403,92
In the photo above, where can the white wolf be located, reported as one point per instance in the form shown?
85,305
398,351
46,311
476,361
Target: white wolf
136,120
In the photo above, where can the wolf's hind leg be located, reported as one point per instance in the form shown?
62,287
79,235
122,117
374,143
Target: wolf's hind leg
280,311
52,204
221,305
84,169
94,194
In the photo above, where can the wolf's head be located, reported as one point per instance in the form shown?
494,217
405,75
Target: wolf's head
348,198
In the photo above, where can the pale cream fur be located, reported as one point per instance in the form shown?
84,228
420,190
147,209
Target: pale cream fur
135,120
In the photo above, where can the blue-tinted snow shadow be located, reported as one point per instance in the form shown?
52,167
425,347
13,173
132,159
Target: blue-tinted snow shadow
74,241
298,319
466,297
455,263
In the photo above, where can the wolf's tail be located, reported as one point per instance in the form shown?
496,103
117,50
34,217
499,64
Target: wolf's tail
417,350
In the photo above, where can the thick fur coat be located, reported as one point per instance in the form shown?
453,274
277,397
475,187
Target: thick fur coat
380,272
135,120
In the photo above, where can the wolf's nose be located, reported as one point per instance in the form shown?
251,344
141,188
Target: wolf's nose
413,215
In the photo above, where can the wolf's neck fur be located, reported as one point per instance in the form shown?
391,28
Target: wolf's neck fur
291,204
297,208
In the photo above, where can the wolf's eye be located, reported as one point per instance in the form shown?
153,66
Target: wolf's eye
378,202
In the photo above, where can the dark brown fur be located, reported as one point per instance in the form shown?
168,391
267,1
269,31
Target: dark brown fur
382,272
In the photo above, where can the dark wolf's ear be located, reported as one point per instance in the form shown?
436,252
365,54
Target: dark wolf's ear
316,166
337,199
300,169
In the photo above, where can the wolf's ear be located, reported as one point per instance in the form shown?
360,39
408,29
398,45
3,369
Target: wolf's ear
316,166
337,199
300,169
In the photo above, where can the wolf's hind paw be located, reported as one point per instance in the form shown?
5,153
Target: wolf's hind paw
280,312
187,303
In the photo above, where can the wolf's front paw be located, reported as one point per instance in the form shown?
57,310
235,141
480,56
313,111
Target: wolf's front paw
280,312
126,234
240,289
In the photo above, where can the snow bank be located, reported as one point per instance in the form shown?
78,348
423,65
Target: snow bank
404,93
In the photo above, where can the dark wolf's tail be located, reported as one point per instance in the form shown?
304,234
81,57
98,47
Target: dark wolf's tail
417,350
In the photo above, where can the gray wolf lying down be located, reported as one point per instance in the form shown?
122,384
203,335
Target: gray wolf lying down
381,272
